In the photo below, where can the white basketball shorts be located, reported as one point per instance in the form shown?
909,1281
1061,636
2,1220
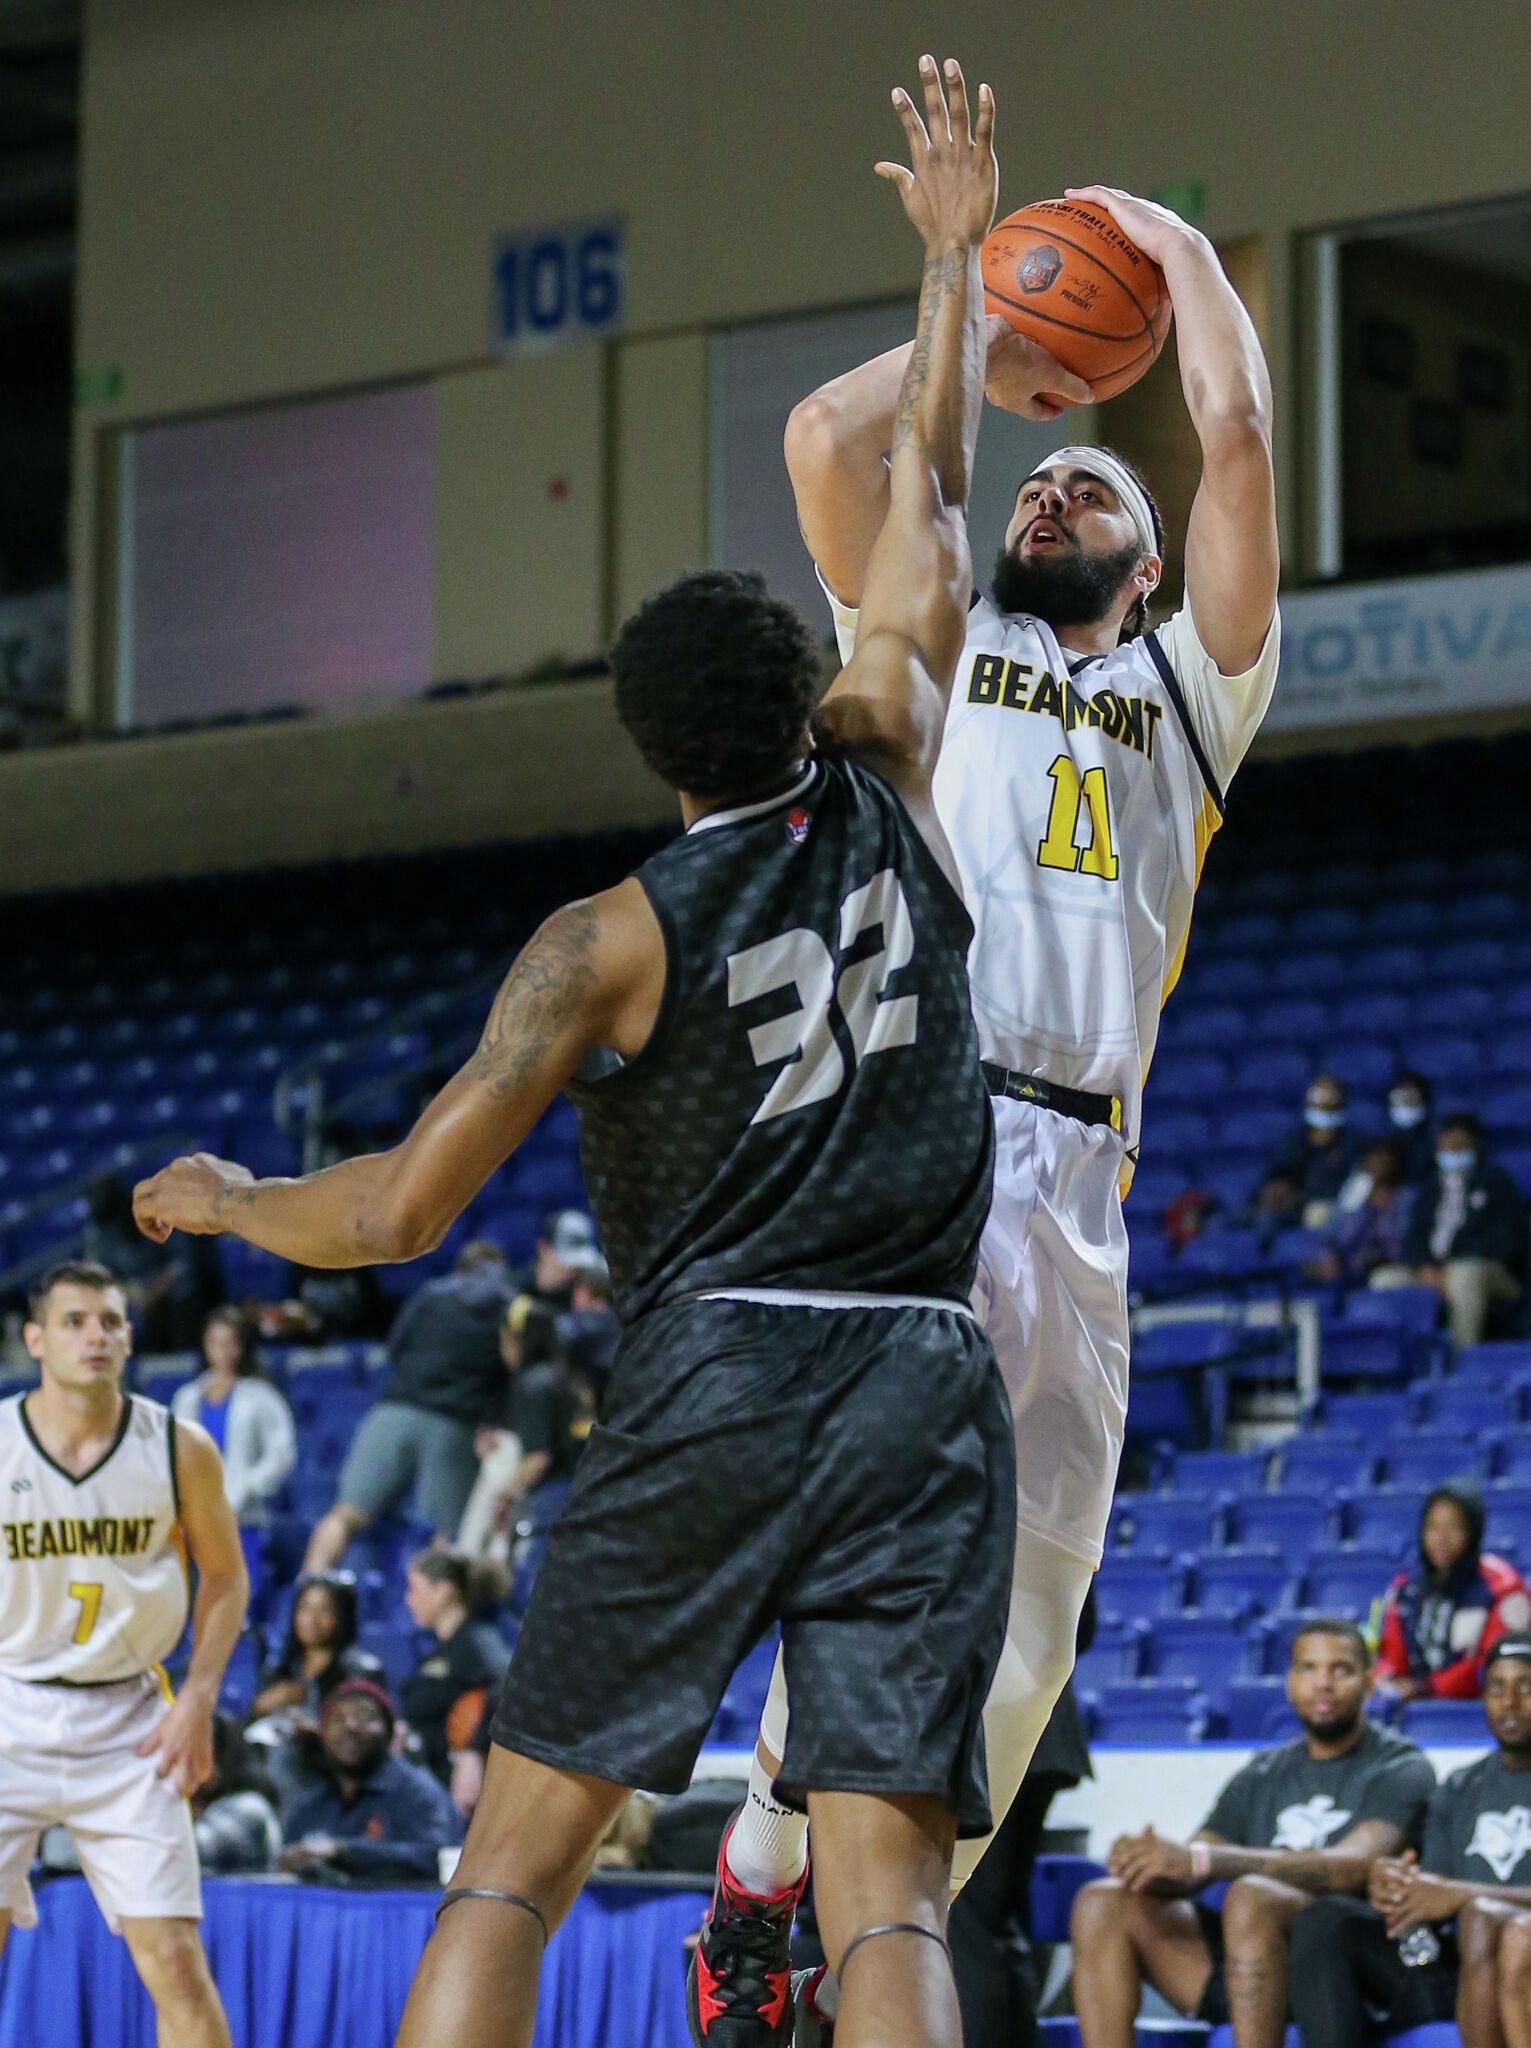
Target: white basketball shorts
67,1755
1052,1294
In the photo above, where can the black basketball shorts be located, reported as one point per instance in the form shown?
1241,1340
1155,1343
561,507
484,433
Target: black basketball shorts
848,1472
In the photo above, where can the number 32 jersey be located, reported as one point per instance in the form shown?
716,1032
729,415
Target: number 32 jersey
808,1112
1079,796
92,1573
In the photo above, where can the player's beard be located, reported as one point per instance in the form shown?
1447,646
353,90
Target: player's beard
1066,589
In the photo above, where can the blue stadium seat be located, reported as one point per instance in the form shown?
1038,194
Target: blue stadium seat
1416,1309
1446,1057
1374,1013
1367,1415
1209,1472
1293,1021
1233,1176
1154,1186
1193,1076
1296,1248
1231,1254
1495,1364
1240,1580
1428,1457
1273,1075
1444,1721
1515,1001
1327,924
1348,1580
1508,1109
1465,1410
1385,967
1150,1711
1386,1518
1255,1707
1196,1029
1305,971
1160,1522
1129,1586
1329,1462
1295,1522
1253,931
1205,1648
1177,1131
1258,1127
1231,978
1508,1051
1516,1161
1350,1354
1406,917
1454,1005
1359,1062
1054,1882
1507,1507
241,1676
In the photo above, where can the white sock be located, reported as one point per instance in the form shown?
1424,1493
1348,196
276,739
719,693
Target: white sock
769,1844
768,1847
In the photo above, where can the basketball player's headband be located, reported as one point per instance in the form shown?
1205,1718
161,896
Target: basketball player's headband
1102,463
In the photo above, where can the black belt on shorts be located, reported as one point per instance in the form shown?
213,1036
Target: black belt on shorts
1078,1103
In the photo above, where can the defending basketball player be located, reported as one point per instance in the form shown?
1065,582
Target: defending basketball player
1082,774
105,1496
788,1147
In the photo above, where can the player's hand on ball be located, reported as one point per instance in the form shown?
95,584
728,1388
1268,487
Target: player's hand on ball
184,1741
188,1194
951,184
1021,377
1156,230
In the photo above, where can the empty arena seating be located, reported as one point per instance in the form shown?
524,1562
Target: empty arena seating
1208,1575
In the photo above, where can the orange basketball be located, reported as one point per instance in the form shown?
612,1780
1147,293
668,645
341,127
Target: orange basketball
1063,274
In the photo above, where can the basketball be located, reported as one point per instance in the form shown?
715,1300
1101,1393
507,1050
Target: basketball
1063,274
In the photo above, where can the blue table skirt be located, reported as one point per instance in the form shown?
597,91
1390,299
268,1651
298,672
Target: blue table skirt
300,1967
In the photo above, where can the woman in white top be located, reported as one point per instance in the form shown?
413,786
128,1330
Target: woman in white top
246,1416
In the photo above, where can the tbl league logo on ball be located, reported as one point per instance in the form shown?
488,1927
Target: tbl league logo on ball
797,827
1039,267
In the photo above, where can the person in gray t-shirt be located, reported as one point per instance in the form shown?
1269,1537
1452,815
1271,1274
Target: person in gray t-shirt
1309,1817
1446,1934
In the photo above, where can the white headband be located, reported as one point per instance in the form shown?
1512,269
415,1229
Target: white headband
1100,462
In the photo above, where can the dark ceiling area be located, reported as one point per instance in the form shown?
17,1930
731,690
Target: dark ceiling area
39,176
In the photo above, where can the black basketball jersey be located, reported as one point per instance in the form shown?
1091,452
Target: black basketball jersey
808,1111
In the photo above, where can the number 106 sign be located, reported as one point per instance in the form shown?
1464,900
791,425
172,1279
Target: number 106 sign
558,284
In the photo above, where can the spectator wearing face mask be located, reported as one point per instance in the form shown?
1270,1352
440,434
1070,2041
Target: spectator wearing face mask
1410,1100
1440,1620
1467,1233
567,1243
1322,1152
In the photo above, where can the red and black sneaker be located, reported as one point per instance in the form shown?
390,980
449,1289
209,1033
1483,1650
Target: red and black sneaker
739,1984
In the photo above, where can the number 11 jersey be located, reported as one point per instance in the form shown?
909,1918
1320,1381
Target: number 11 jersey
808,1113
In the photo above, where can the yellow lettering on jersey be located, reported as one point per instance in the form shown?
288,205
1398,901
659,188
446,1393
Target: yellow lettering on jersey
988,678
89,1596
47,1545
29,1539
1130,721
1131,734
1072,797
1046,697
106,1536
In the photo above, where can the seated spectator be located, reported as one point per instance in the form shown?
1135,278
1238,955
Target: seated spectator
327,1306
567,1241
1321,1153
443,1699
246,1417
1410,1099
1446,1935
445,1383
590,1329
1366,1229
1277,1204
1309,1817
1440,1620
1467,1233
235,1809
540,1444
372,1817
318,1653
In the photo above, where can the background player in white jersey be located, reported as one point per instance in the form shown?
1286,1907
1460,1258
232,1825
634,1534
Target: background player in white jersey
1081,776
102,1497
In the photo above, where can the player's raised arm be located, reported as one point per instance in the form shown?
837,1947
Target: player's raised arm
890,701
1232,552
593,974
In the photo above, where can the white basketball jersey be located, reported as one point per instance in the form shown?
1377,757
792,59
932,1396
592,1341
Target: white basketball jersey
93,1584
1080,795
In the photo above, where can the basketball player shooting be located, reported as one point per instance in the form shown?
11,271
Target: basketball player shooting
1082,774
787,1143
106,1494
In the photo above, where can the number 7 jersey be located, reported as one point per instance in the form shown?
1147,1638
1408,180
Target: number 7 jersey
808,1113
93,1583
1079,796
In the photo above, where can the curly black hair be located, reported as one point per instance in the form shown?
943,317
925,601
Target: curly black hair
716,682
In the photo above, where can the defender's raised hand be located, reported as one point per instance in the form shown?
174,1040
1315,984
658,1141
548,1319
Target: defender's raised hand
951,184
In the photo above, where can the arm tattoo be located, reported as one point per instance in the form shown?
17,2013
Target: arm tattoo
232,1197
545,988
943,276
